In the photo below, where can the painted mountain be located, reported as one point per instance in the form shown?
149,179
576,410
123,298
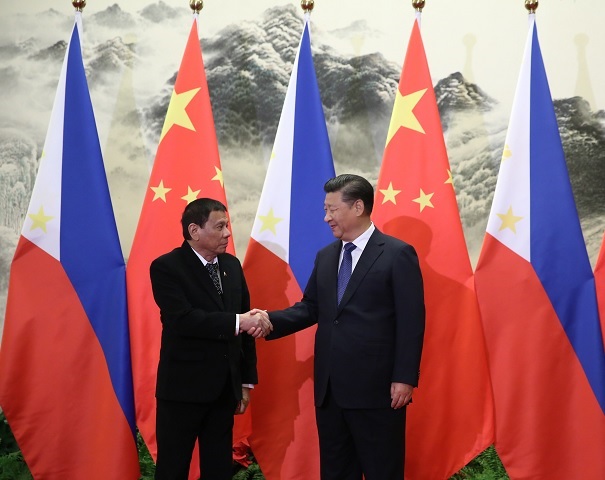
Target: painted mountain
131,61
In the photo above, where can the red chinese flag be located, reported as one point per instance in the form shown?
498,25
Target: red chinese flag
186,167
451,418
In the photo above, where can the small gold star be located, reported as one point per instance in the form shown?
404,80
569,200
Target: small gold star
39,219
218,176
390,194
450,178
269,221
191,195
424,200
160,191
506,153
509,220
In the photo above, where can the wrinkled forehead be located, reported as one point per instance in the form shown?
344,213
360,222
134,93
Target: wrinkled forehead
217,217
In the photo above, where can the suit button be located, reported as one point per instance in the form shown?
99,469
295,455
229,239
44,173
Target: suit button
225,356
335,322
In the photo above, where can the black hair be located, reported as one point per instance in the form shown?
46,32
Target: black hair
352,188
198,212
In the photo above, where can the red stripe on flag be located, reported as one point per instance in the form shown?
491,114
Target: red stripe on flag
62,420
538,382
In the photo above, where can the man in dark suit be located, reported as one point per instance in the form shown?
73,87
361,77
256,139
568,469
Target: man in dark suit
368,343
207,361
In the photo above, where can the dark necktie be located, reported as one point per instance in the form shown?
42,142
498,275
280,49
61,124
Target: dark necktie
213,271
346,267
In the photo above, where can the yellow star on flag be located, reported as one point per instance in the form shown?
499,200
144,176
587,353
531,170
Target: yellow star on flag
509,220
191,195
390,194
160,191
218,176
403,115
450,178
506,153
269,221
39,219
424,200
176,114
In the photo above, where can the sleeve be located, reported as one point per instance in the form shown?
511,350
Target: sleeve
408,293
177,312
299,316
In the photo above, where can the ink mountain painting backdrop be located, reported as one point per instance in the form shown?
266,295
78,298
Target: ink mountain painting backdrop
132,50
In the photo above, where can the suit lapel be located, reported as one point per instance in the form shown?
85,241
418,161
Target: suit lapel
371,252
331,273
228,281
200,275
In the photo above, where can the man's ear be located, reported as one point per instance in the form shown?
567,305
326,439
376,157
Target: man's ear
359,207
193,230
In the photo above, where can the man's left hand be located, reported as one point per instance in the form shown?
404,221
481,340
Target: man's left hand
243,403
401,394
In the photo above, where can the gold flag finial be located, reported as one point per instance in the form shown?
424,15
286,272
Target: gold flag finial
531,5
418,5
79,4
196,5
307,5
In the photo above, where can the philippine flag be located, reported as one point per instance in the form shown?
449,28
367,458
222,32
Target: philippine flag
65,375
538,302
287,233
599,275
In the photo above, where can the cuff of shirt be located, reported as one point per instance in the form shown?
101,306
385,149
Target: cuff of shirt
237,324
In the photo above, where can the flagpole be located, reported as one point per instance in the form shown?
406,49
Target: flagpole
79,6
418,6
196,6
531,6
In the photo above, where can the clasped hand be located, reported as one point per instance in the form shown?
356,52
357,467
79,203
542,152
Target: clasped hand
255,323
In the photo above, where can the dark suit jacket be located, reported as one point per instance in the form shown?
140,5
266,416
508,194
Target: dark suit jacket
374,337
199,349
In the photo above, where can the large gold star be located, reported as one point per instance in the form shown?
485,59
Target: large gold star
160,191
176,114
403,115
191,195
269,221
390,194
218,177
509,220
424,200
39,219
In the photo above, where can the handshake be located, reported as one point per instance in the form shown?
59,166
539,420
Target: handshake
255,323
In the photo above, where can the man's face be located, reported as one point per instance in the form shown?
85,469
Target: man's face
213,237
342,218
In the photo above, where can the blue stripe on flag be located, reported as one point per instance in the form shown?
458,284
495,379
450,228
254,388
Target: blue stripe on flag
90,248
312,167
558,251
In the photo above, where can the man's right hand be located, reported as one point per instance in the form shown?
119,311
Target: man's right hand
255,323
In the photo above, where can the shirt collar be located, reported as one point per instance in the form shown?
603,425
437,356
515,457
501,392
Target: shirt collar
361,241
204,261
